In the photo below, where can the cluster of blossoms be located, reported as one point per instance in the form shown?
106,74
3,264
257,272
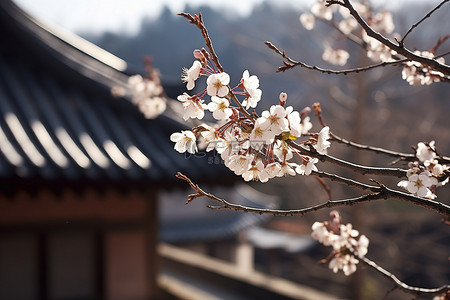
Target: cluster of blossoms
381,22
146,93
416,73
348,245
425,175
252,146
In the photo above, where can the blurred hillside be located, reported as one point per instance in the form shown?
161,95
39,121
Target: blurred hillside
239,43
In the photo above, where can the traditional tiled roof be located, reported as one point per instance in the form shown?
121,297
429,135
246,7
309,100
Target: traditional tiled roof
59,121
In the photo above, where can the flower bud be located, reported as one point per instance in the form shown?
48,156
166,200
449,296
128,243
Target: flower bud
283,98
198,54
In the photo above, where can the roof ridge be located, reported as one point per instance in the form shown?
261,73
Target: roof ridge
75,41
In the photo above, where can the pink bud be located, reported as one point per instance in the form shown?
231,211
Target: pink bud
198,54
283,98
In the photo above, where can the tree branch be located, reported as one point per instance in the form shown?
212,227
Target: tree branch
418,23
403,286
400,49
382,192
290,63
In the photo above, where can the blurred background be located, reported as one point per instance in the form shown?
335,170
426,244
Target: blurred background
377,108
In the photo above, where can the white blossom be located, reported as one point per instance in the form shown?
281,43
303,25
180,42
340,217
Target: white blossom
308,167
193,108
294,120
272,170
306,125
322,140
288,169
275,119
348,25
152,107
347,244
321,11
261,132
184,141
321,233
308,20
346,263
336,57
383,22
424,152
220,107
255,172
217,84
419,184
239,163
191,74
361,247
250,82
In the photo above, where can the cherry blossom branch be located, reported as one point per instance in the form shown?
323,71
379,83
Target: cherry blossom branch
400,49
403,286
197,20
290,63
399,155
419,22
383,193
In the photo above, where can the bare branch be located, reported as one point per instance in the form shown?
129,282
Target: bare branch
197,20
382,192
400,49
290,63
423,19
403,286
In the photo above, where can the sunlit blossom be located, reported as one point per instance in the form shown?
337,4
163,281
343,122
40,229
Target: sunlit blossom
308,20
306,168
287,169
239,163
323,142
275,119
184,141
193,108
220,107
217,84
419,184
191,75
255,173
261,132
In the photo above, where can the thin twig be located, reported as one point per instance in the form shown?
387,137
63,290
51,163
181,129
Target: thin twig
346,181
290,63
398,155
418,23
382,193
197,20
403,156
403,286
395,172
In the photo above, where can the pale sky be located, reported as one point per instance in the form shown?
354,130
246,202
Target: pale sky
124,15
